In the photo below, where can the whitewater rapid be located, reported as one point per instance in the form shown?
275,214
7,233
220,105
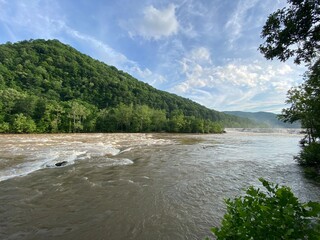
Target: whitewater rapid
24,154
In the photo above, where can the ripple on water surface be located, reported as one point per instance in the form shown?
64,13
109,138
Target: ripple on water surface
135,186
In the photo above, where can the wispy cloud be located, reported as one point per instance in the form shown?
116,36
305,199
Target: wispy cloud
108,55
235,84
33,17
238,20
155,24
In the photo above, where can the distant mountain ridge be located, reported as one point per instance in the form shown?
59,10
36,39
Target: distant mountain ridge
269,119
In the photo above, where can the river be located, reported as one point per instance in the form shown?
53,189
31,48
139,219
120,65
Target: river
136,186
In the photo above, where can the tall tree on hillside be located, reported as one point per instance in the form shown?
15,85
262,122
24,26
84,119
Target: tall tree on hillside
294,31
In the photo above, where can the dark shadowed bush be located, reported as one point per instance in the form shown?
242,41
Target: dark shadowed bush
310,155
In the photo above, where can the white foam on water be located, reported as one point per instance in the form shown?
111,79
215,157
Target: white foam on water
50,161
123,162
126,150
22,155
111,162
69,157
50,157
100,149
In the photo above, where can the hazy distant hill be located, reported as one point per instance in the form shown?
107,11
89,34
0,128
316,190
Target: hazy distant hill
270,119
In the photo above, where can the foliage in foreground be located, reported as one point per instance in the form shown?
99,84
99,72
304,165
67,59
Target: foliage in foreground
274,214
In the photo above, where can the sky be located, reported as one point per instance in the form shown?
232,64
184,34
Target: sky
204,50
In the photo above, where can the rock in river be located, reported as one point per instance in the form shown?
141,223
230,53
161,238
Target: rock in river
60,164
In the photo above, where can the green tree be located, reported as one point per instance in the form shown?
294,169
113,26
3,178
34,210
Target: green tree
197,125
141,118
123,116
273,214
25,105
304,101
8,98
104,122
293,31
177,121
305,107
4,127
158,120
214,127
23,124
52,119
77,113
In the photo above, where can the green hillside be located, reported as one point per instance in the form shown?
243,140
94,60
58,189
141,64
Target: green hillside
269,119
47,86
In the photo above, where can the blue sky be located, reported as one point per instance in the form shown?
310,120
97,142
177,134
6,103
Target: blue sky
204,50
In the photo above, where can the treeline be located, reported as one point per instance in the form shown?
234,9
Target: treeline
22,113
47,86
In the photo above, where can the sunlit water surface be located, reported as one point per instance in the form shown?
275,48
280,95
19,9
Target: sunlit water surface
136,186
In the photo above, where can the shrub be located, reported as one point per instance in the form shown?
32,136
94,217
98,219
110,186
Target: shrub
4,127
310,155
23,124
276,214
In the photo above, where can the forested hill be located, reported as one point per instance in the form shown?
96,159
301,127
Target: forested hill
47,86
269,119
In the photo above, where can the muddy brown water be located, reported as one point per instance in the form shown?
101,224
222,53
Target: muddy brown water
136,186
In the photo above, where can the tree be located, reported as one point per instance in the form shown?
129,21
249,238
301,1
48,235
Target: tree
177,121
77,114
293,31
158,120
4,127
25,105
23,124
305,107
104,122
52,118
123,116
8,98
305,104
273,214
141,118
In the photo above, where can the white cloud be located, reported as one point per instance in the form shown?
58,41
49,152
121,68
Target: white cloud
101,50
237,85
201,54
236,23
156,23
195,57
